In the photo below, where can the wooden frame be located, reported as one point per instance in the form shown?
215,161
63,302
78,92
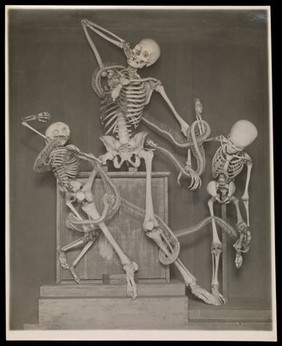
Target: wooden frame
153,271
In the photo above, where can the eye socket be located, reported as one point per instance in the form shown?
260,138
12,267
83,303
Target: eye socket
137,50
145,54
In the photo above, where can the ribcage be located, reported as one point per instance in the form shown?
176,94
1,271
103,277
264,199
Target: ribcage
64,165
231,164
130,104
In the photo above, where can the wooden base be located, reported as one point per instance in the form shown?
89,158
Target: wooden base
236,314
158,306
127,230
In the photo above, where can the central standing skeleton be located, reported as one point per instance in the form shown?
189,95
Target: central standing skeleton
124,95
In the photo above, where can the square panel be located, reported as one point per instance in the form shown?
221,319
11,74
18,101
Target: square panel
127,230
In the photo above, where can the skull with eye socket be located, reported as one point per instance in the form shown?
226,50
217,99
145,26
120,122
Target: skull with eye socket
145,53
58,130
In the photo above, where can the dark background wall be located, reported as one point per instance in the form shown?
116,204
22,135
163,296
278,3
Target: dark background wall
218,56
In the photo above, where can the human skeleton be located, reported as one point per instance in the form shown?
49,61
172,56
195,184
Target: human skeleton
124,95
63,161
228,162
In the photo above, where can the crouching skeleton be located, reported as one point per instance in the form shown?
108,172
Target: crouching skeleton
63,161
228,161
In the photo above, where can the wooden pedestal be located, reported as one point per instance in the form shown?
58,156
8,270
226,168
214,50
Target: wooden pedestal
100,301
99,306
101,259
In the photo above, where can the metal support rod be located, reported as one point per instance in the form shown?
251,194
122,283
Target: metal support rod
224,261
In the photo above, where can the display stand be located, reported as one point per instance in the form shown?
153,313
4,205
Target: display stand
100,306
100,300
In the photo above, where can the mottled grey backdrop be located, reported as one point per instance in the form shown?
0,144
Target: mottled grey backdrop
218,56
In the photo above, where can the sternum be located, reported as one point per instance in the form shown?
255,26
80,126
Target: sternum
131,102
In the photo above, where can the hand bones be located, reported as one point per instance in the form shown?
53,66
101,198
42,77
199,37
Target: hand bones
44,116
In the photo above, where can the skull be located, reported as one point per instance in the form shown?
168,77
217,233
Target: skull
243,133
145,53
56,130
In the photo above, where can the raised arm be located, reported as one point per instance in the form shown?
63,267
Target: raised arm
106,34
42,117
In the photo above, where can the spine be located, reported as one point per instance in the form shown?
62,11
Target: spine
123,134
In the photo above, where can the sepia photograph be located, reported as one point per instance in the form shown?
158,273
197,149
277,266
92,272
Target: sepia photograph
139,173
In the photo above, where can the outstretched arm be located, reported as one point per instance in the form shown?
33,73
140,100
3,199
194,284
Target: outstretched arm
88,157
154,84
107,35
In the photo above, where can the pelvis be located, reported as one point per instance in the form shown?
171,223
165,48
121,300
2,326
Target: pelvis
120,153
